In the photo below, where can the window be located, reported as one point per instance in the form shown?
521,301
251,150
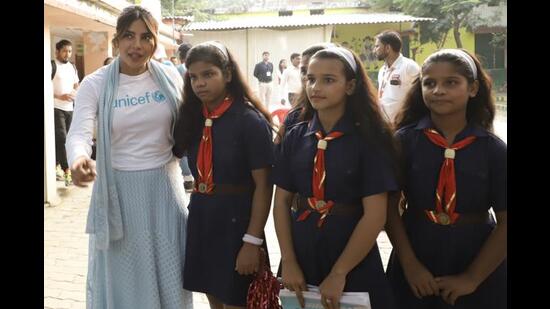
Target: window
489,48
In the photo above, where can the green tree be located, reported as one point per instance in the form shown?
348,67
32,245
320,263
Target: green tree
184,8
450,15
202,10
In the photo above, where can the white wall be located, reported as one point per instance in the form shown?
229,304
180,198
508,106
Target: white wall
50,185
247,45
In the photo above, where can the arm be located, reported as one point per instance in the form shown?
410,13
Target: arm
292,276
248,259
284,80
421,281
358,247
262,201
258,149
489,258
80,135
64,97
494,250
256,71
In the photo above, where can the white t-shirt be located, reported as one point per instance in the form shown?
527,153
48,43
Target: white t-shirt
403,71
141,136
63,82
292,80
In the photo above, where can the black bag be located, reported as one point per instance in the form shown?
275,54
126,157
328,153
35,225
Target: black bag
54,68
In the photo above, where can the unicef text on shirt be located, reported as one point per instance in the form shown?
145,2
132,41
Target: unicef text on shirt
156,97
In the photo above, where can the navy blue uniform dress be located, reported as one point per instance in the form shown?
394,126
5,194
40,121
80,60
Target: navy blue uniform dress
355,169
480,170
292,118
242,142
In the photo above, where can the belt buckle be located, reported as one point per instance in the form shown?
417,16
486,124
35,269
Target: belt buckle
443,218
202,187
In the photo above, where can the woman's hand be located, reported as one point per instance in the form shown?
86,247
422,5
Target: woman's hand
83,171
248,259
331,290
293,279
420,280
452,287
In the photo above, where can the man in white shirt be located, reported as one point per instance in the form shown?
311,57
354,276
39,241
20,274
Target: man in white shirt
291,80
396,75
65,82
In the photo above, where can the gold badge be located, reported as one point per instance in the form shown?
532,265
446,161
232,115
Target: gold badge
443,218
202,187
320,204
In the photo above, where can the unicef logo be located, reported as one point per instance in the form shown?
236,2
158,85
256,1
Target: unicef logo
158,96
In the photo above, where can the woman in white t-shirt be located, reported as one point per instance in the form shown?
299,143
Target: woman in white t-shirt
278,82
137,217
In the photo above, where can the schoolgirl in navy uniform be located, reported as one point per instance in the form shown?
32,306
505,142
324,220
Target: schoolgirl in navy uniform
448,250
227,135
347,147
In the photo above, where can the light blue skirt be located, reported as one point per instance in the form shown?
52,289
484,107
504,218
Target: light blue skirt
143,270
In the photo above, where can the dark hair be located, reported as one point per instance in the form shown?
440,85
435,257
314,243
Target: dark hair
480,109
294,55
188,124
265,52
182,51
362,104
281,65
107,60
59,45
131,14
391,38
306,54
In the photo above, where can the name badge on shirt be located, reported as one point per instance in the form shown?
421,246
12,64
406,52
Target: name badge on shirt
395,80
267,73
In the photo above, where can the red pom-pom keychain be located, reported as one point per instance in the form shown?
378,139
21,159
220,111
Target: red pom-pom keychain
263,292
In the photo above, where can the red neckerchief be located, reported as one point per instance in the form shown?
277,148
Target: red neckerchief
317,202
446,185
205,183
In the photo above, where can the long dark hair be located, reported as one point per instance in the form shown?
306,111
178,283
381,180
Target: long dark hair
362,104
281,65
189,122
299,106
480,109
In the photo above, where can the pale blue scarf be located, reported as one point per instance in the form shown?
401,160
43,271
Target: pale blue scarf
104,218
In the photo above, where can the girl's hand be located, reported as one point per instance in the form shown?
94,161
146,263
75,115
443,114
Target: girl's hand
83,171
331,290
420,280
452,287
293,279
248,259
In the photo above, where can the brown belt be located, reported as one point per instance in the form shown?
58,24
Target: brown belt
464,218
227,189
339,209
